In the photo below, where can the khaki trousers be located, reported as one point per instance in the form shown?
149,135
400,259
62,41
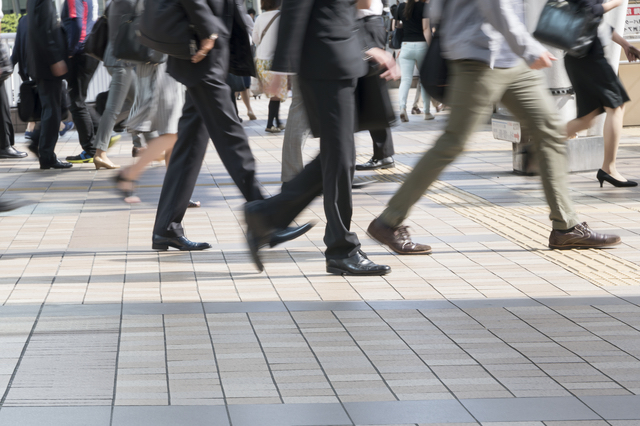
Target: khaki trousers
473,91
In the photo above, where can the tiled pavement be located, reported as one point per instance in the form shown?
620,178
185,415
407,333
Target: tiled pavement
492,329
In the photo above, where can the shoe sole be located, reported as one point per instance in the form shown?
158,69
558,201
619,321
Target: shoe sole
336,271
114,140
163,247
554,247
89,161
386,166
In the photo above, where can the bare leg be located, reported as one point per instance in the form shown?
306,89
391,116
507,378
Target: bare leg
612,131
30,126
246,98
155,147
580,124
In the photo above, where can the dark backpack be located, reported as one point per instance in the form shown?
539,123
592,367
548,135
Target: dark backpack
165,27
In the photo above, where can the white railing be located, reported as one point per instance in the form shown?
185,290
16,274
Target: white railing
99,83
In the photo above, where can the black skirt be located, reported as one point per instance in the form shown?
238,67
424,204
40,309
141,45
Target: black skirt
595,83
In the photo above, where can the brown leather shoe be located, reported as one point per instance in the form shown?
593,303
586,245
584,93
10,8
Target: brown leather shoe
581,236
398,239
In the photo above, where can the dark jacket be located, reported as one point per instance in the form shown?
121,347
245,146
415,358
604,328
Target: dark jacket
316,39
232,49
19,54
46,41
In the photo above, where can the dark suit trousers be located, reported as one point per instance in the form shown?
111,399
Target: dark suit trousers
208,112
50,92
382,140
81,70
7,138
333,103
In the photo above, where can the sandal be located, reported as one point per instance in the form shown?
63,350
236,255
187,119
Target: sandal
128,194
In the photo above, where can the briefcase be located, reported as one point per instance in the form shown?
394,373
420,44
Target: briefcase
29,108
373,104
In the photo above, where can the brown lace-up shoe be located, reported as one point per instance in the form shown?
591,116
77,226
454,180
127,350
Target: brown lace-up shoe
581,236
398,239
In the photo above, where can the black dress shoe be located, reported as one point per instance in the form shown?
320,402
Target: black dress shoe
361,185
282,235
259,232
374,164
33,147
358,264
181,243
57,165
9,205
11,152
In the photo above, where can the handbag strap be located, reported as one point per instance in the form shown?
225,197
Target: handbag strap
264,32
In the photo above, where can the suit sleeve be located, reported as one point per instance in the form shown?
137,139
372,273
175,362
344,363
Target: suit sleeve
291,33
501,16
202,18
46,40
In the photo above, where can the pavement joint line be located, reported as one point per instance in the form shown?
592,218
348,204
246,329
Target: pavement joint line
514,223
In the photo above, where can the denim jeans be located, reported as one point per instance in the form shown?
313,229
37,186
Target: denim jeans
120,89
412,54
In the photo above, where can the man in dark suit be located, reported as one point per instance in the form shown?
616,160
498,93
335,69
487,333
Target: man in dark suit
209,112
47,54
316,40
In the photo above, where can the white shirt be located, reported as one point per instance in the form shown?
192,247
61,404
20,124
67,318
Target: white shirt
266,48
374,10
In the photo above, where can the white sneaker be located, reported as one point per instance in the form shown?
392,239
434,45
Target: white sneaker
428,116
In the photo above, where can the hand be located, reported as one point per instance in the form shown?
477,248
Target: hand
632,52
273,88
544,61
385,60
59,69
205,47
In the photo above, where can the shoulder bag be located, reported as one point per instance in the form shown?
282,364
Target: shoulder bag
434,72
567,26
96,42
127,46
396,37
165,27
6,66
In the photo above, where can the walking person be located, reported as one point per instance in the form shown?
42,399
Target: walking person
157,109
47,65
209,113
7,137
265,37
372,23
598,89
121,88
485,42
316,41
415,41
78,17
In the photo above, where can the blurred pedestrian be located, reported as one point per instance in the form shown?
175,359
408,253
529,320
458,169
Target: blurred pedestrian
265,37
415,41
598,89
47,65
485,42
78,17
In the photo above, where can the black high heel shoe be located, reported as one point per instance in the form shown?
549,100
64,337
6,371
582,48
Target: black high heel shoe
602,176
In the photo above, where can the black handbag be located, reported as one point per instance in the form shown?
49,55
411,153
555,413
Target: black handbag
434,72
6,66
96,42
29,108
165,27
236,83
127,46
396,39
373,103
567,26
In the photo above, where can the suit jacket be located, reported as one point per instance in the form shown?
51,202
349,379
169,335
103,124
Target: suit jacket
46,42
232,49
317,40
19,55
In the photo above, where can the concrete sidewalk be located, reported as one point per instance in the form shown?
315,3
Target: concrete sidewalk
96,329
